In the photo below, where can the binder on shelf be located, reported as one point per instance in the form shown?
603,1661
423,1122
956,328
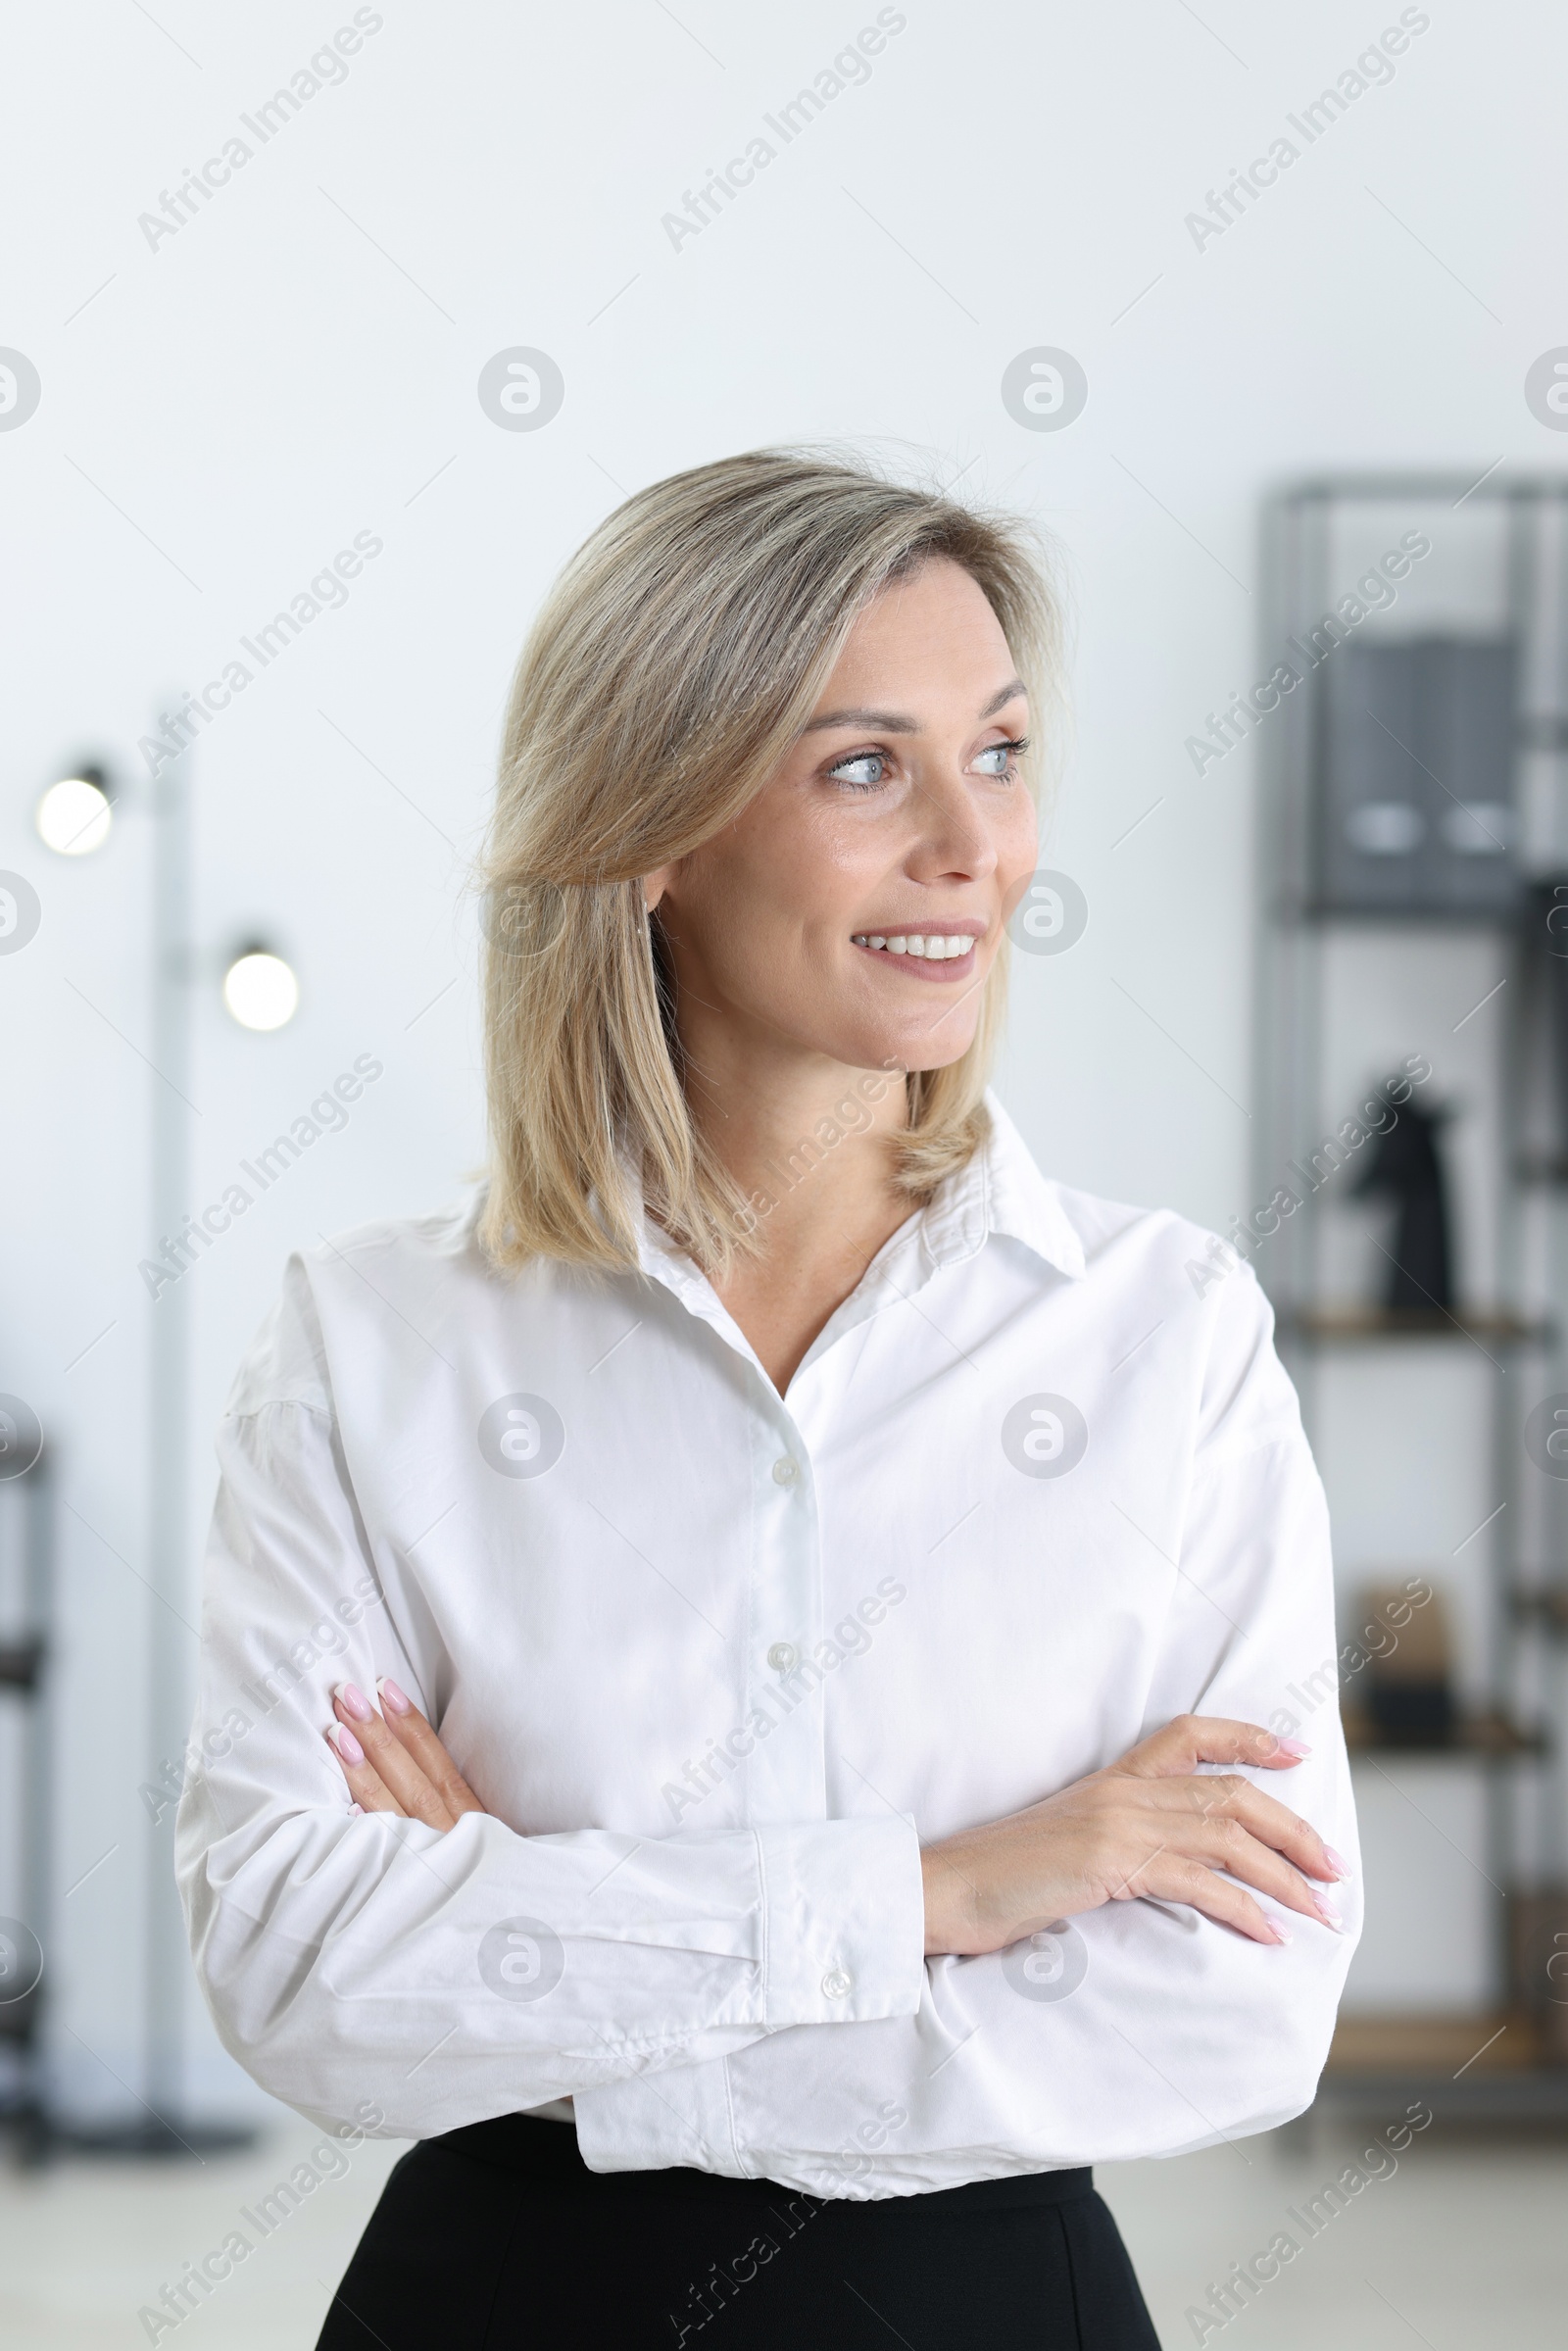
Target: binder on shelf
1415,794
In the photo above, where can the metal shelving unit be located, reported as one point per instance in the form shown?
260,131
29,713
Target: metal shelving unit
1515,2062
24,1683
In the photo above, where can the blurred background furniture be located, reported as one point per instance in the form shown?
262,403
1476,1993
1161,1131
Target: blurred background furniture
75,818
1414,881
27,1589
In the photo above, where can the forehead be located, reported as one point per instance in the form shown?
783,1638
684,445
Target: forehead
932,629
924,642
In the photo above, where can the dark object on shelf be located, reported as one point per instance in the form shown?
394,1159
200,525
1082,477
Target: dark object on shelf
1408,1165
1409,1678
1545,1605
21,1663
1415,783
1478,1738
1414,1714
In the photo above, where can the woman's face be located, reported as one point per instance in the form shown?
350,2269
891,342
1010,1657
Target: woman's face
855,908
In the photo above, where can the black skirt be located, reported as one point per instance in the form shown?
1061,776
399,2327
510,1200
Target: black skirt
499,2236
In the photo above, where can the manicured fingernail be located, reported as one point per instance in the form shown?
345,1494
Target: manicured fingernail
357,1808
392,1696
358,1705
1281,1933
346,1746
1291,1746
1327,1913
1337,1862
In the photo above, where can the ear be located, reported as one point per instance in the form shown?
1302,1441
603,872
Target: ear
654,885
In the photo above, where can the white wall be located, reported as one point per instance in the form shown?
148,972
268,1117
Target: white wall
299,362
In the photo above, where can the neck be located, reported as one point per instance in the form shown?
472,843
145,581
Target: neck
808,1141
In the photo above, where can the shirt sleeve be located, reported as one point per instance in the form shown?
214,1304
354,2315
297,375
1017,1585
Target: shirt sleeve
1141,2029
447,1978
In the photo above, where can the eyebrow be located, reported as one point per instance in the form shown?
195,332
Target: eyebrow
899,723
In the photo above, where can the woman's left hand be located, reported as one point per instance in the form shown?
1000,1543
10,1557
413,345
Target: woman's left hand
393,1761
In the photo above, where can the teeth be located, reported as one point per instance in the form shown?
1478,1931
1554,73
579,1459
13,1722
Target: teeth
933,946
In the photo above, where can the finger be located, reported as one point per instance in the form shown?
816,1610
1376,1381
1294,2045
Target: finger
410,1728
1173,1879
413,1792
1271,1822
1195,1739
1227,1846
365,1785
1211,1795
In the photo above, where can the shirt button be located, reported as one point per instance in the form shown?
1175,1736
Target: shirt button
783,1656
785,1471
837,1984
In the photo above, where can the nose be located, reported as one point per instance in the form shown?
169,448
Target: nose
954,842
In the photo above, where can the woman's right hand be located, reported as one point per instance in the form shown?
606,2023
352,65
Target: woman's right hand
1152,1825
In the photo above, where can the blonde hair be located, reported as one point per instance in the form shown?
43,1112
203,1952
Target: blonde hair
675,661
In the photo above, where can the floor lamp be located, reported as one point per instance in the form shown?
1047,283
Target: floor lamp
73,819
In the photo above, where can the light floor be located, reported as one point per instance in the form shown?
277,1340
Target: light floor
1466,2246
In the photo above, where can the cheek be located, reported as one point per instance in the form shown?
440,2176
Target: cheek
788,863
1022,832
1017,844
789,893
745,931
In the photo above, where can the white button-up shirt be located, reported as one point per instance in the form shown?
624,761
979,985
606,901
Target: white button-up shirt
717,1661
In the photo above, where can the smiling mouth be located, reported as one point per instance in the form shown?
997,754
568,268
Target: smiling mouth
930,952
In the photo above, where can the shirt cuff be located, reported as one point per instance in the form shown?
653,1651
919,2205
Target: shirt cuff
843,1921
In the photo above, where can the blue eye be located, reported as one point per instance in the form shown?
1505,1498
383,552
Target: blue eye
866,761
1007,752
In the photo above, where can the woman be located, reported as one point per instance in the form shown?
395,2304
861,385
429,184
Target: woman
807,1565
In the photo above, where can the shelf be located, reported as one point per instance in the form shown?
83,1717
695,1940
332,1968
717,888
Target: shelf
1502,2069
1357,1326
1543,1175
1475,1738
1435,2045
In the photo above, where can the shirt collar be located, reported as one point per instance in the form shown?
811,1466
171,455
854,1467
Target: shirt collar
1000,1190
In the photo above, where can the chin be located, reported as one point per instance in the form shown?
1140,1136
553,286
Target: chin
906,1053
935,1042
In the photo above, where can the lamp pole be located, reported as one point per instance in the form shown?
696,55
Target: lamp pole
169,1696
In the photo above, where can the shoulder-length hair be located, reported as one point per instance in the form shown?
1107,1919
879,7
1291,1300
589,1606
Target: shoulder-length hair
675,661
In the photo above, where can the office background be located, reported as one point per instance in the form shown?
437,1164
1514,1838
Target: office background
453,303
